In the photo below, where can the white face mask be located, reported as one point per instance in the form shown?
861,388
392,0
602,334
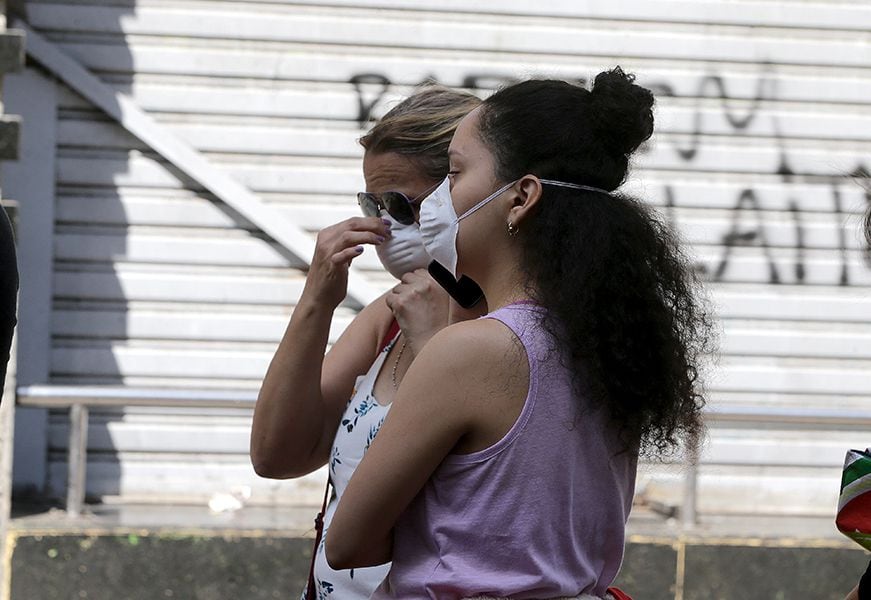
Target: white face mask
403,251
439,223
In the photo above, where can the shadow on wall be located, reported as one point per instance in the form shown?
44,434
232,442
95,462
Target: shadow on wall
98,306
72,239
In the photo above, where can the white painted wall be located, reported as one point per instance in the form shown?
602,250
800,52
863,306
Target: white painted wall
763,115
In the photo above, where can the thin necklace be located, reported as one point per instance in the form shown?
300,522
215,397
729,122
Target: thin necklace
396,364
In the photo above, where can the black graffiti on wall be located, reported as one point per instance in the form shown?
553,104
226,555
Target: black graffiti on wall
748,227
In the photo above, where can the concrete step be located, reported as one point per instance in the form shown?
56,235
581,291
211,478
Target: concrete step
149,552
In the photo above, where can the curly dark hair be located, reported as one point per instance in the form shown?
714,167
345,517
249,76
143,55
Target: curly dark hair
623,302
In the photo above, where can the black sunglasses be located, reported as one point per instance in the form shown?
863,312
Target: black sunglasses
398,205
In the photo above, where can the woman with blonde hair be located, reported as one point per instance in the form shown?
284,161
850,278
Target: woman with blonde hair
315,409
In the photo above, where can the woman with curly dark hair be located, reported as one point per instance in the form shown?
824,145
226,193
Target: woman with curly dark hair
507,465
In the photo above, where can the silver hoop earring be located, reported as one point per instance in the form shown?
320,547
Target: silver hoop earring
512,229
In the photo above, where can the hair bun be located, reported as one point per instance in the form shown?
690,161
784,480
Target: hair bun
622,111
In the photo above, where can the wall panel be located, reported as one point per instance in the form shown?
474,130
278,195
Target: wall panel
764,134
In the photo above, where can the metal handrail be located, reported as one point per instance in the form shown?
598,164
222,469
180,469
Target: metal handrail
59,396
80,398
760,414
787,416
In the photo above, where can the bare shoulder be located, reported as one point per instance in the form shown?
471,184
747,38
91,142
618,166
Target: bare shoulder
473,337
476,373
354,352
368,329
477,349
376,314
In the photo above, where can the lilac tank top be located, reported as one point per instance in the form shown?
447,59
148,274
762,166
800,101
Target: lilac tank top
539,514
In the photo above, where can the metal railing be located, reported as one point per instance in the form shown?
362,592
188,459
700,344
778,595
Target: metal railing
80,399
820,418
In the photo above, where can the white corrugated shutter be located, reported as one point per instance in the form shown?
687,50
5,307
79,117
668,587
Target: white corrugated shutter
763,120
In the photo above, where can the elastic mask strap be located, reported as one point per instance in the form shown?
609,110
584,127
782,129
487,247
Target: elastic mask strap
486,200
574,186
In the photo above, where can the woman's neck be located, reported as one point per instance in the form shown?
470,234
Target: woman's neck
502,287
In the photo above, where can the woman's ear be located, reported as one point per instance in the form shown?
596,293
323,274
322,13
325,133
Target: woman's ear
525,201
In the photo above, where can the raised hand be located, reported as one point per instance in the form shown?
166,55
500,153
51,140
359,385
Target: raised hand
336,246
420,306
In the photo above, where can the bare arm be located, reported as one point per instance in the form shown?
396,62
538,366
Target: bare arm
446,403
303,393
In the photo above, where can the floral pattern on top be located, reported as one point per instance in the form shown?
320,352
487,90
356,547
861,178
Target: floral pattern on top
361,410
373,431
334,460
358,426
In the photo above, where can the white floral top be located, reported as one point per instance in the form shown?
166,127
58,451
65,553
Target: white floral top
359,425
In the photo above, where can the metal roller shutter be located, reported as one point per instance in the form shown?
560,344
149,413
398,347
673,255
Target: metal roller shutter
764,124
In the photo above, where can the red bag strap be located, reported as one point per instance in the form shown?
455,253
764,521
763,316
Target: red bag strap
618,594
392,333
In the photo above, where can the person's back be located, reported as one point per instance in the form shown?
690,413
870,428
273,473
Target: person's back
539,514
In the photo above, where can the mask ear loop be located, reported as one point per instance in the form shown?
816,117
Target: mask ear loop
485,200
565,184
574,186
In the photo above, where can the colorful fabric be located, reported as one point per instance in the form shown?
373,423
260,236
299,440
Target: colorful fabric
854,505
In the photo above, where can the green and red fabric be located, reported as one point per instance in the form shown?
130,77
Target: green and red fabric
854,504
